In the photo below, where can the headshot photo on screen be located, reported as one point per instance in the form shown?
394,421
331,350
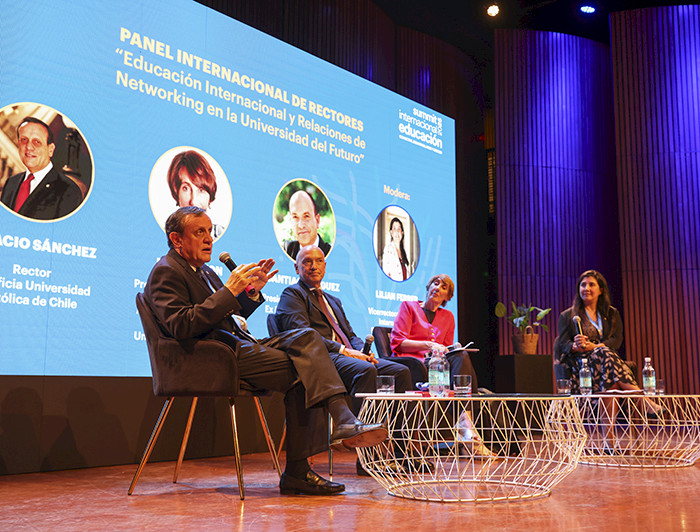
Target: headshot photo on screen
47,168
302,215
396,243
187,176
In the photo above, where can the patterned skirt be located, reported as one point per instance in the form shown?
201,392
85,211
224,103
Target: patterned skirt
607,368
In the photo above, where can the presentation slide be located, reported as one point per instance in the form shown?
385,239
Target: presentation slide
122,111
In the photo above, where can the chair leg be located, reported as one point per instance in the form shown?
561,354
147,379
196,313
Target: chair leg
268,438
236,449
330,448
284,437
151,442
185,438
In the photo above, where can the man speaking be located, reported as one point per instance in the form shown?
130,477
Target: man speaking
190,302
42,192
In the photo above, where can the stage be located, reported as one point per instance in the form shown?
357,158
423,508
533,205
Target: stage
206,498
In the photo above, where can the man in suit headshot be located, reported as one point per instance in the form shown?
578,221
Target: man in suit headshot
42,192
305,221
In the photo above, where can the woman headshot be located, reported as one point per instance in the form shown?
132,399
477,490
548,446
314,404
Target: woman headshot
394,260
423,326
187,176
192,183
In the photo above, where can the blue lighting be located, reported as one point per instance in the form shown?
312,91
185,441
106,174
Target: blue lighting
588,9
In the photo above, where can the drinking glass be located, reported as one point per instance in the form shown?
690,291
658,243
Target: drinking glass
385,384
563,386
462,385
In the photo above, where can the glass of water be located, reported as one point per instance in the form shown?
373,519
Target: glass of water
563,386
462,385
385,384
660,387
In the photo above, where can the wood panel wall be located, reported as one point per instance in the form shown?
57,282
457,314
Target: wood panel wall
556,203
656,65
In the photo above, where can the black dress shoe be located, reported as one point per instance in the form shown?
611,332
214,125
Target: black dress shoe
361,471
359,434
419,465
658,414
311,484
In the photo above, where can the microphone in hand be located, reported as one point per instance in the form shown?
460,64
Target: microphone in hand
368,344
577,321
227,260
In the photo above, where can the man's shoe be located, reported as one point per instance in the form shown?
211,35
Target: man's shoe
361,471
359,434
311,484
419,465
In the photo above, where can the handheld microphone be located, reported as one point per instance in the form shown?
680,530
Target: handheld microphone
227,260
368,344
577,321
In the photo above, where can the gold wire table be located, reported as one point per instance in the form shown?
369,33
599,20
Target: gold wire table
537,441
638,438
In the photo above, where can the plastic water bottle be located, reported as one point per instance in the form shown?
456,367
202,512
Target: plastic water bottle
585,381
438,384
648,377
445,374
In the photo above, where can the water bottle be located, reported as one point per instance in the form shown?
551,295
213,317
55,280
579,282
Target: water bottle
648,377
436,374
446,381
585,381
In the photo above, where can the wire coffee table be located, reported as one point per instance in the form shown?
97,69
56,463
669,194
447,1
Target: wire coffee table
638,438
537,441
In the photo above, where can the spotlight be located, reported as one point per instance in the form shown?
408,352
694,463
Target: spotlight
587,9
492,10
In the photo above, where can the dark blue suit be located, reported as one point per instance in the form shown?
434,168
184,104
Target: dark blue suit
299,307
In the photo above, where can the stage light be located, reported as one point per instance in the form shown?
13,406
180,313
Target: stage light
587,9
492,10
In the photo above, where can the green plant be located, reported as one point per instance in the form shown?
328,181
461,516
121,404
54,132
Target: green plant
520,318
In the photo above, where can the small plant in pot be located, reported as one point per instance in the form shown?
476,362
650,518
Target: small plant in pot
525,337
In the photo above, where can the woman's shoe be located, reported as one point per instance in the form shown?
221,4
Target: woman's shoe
466,434
480,449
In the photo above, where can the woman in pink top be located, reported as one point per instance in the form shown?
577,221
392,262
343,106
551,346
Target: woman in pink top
421,326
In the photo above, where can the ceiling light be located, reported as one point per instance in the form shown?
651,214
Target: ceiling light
587,9
492,10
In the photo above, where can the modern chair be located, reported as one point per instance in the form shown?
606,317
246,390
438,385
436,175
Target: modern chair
382,341
194,368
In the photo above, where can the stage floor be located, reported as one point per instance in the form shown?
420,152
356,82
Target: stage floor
206,498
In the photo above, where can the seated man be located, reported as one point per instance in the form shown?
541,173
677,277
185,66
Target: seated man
190,301
304,305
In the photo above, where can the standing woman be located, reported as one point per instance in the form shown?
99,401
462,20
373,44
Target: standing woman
394,259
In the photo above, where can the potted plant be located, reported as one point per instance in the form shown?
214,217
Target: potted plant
525,338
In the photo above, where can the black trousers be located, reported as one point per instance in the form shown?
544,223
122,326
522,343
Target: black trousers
295,363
